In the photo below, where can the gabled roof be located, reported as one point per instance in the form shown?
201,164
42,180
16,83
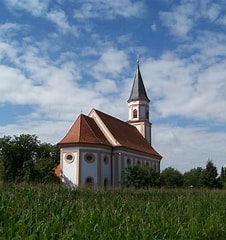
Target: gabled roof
138,91
84,130
127,135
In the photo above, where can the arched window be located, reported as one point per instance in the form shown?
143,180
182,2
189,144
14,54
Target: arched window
147,115
105,182
106,160
128,161
134,113
89,181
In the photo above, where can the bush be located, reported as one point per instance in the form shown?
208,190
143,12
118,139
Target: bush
171,177
141,177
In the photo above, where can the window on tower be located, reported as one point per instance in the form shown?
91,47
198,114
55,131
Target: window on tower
147,115
134,113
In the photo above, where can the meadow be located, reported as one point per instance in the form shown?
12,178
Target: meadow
56,212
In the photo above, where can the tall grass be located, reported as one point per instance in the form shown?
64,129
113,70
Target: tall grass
55,212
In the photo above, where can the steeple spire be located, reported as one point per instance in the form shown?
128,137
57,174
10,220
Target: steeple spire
138,91
138,104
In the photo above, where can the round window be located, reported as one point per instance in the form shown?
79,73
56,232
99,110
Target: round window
89,158
69,157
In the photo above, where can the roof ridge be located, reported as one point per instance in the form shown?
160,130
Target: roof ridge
110,116
90,128
80,126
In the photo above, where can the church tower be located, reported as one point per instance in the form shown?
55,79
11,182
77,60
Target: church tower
138,103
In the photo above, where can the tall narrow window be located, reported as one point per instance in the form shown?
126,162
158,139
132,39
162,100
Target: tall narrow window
147,115
89,181
105,182
128,161
134,113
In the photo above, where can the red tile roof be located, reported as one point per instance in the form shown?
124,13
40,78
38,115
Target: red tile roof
84,130
127,135
57,171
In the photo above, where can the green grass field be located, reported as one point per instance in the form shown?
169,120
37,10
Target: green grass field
55,212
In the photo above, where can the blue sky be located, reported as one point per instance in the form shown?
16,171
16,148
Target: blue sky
63,57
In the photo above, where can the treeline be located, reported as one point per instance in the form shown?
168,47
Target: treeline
25,158
145,177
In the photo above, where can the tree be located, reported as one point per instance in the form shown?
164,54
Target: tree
25,158
171,177
47,150
193,177
140,177
14,152
209,176
44,170
151,176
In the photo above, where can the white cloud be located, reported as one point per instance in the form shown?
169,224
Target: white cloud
58,17
39,8
112,62
189,147
106,86
14,88
183,88
109,9
35,7
185,16
180,20
222,20
153,27
9,28
210,10
7,52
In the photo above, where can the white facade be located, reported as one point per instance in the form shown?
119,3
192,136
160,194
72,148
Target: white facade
87,165
99,167
69,162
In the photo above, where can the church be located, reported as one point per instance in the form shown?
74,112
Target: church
98,147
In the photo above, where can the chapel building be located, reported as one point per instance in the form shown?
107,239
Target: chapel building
98,147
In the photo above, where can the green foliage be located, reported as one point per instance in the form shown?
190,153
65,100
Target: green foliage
209,176
141,177
193,177
47,150
53,212
22,157
14,152
28,171
44,170
171,177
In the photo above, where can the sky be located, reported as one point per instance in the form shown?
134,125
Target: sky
60,58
